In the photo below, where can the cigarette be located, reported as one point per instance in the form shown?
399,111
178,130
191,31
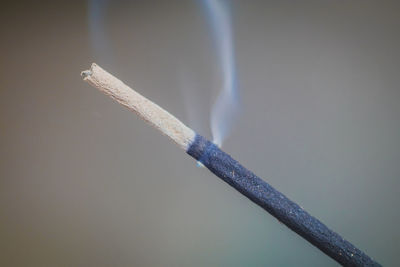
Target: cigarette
230,171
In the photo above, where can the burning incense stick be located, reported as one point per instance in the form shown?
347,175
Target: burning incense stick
229,170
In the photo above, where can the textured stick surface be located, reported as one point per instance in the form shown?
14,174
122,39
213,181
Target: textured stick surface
144,108
277,204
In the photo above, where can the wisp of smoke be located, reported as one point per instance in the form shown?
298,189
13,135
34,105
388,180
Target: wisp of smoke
225,108
100,43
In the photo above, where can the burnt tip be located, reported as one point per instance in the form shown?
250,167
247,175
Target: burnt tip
86,73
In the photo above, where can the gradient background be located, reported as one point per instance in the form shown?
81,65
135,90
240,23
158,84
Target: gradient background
84,182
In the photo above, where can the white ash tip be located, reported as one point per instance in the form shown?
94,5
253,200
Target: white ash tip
144,108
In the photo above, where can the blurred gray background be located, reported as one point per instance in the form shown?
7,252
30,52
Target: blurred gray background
84,182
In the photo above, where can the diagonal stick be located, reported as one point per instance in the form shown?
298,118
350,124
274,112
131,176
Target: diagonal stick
229,170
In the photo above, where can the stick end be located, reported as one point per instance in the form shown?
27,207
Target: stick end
87,73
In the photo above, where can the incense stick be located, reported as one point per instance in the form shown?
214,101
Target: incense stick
229,170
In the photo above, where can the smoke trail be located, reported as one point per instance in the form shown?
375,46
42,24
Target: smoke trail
102,48
226,106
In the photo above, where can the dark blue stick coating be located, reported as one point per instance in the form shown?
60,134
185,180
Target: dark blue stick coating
277,204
